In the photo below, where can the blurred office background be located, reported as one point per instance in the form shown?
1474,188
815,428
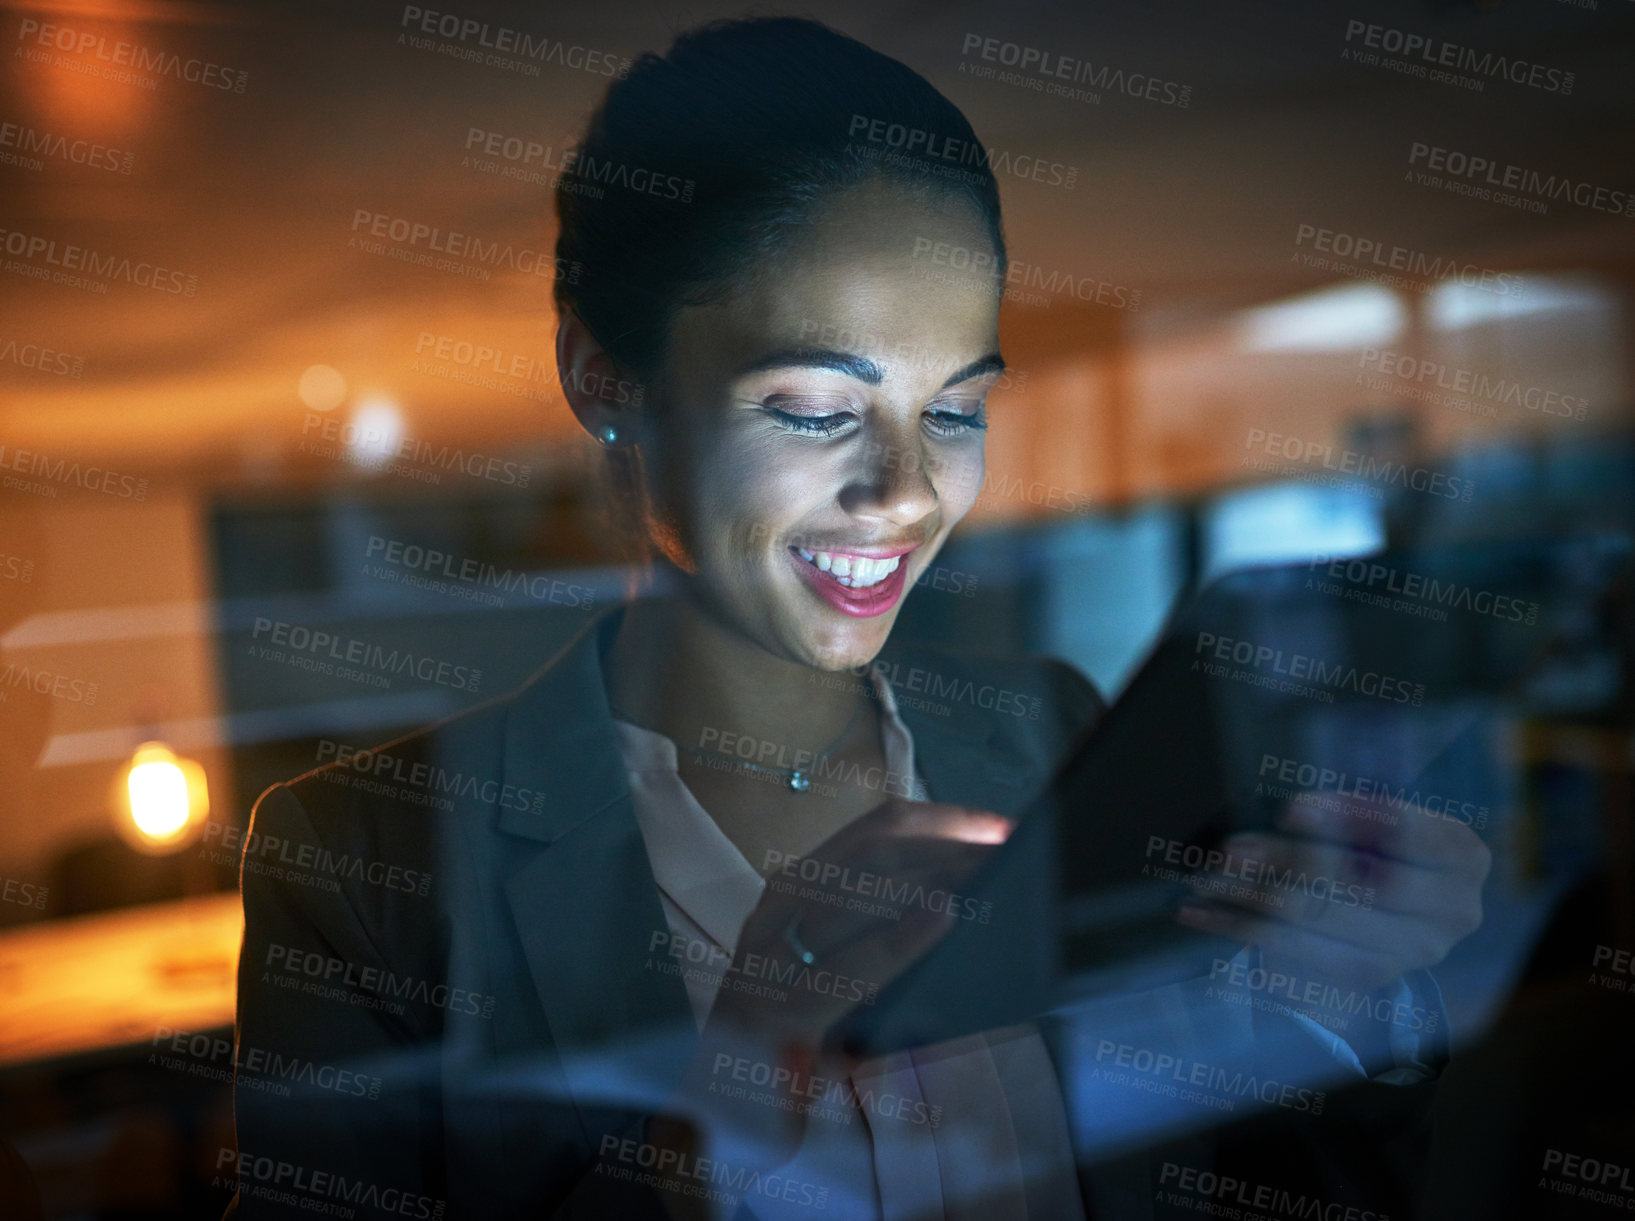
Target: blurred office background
134,603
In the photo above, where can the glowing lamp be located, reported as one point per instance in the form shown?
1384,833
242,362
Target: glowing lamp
161,800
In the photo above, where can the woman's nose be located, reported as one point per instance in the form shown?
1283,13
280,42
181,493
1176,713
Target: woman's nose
896,481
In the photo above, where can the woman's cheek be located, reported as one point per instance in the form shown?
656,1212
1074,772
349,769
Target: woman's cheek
781,483
744,502
961,484
706,484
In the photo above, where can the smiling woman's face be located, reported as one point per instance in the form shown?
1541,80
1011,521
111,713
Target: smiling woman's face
822,430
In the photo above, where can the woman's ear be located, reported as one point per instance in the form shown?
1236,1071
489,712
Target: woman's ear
605,404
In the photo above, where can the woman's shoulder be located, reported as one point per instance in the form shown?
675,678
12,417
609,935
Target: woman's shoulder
466,762
373,824
425,771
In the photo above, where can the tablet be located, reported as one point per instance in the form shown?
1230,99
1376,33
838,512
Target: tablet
1377,677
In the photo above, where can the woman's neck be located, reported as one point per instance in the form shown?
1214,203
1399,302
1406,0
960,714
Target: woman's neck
678,671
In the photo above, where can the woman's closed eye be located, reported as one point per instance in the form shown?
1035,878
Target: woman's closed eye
827,416
950,419
819,415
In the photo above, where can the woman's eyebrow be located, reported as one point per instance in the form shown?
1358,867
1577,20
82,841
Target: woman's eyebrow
860,367
993,362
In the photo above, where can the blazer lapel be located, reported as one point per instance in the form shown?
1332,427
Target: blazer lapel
581,893
961,767
970,759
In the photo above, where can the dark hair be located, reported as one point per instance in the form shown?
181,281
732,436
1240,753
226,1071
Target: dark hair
736,137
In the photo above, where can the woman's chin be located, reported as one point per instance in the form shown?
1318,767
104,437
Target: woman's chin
847,646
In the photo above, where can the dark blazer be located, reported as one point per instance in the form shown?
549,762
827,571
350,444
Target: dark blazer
468,959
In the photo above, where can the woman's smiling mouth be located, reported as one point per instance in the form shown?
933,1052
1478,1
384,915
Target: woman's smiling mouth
861,586
852,571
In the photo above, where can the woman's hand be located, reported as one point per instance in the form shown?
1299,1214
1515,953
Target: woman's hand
826,906
805,958
1354,895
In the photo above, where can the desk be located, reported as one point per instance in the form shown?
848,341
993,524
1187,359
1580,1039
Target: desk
110,980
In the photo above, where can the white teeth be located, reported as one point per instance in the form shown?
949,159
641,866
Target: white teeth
872,572
852,571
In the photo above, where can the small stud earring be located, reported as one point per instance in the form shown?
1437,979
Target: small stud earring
608,435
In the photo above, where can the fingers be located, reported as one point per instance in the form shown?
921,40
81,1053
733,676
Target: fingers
793,1002
1369,964
1342,910
874,889
1300,878
913,819
882,956
1411,941
893,857
901,856
866,904
1407,834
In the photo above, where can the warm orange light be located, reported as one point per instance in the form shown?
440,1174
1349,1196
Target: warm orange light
82,71
161,800
322,387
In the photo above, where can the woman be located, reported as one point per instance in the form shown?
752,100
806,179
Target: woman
612,999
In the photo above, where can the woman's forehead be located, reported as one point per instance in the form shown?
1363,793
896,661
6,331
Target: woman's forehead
859,284
864,323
